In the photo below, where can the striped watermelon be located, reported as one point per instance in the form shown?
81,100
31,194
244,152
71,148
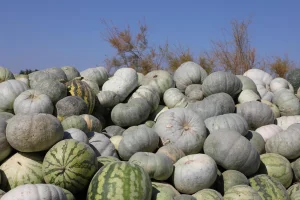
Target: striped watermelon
120,181
293,189
241,192
70,164
76,87
277,166
21,168
104,160
268,187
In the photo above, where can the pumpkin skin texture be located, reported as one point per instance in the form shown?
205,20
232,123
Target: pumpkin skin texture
93,124
9,91
69,106
193,173
113,130
33,132
54,89
268,131
163,191
278,167
174,98
264,90
232,151
231,121
280,83
97,74
248,95
158,166
287,103
285,121
36,191
108,99
93,85
5,148
75,121
38,76
5,116
76,134
71,72
242,192
183,128
23,78
33,101
293,77
123,82
257,141
248,83
173,152
230,178
258,74
137,139
273,107
188,73
161,80
213,105
5,74
20,169
150,94
58,72
220,81
286,143
132,113
257,114
194,92
102,145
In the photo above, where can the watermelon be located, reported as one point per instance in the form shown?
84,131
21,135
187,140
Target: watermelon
277,166
21,168
294,188
120,180
76,87
208,194
70,164
242,192
268,187
104,160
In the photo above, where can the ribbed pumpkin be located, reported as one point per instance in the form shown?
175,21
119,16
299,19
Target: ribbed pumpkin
79,88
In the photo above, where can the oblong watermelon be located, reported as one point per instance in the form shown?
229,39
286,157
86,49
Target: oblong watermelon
70,164
122,181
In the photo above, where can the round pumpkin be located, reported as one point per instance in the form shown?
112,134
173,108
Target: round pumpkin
188,73
194,92
257,141
273,107
287,102
173,97
108,99
232,151
163,191
33,101
248,83
258,74
93,123
71,72
173,152
96,74
69,106
76,134
33,132
230,178
5,74
268,131
183,128
137,139
102,145
193,173
158,166
285,121
248,95
75,121
280,83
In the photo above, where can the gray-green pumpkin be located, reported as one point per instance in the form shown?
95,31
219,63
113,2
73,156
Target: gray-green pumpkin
213,105
173,98
93,123
194,92
33,132
5,148
132,113
231,121
113,130
189,73
71,72
5,74
257,114
158,166
96,74
75,121
232,151
172,151
102,145
221,81
287,102
9,91
183,128
257,141
230,178
193,173
163,191
138,139
293,77
33,101
248,83
69,106
76,134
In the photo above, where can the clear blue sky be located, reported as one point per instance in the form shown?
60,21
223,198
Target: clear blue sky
37,34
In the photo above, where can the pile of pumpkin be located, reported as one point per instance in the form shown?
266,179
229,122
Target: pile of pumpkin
68,135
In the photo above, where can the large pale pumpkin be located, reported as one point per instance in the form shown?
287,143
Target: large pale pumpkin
213,105
183,128
286,143
287,102
69,106
188,73
285,121
194,92
231,121
173,152
9,91
258,74
137,139
268,131
33,101
173,97
71,72
233,151
96,74
33,132
102,145
5,74
193,173
221,81
280,83
257,114
5,148
248,83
